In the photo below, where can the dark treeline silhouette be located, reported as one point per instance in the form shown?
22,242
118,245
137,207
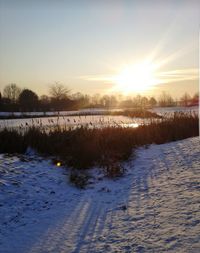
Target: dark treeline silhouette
14,99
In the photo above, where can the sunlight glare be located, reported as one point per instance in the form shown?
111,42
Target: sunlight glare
136,78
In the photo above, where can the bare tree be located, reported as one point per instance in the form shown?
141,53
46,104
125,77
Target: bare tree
152,102
195,99
144,102
12,92
59,91
185,99
165,99
196,96
0,100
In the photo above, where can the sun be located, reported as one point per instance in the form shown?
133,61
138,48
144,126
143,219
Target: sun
136,78
143,77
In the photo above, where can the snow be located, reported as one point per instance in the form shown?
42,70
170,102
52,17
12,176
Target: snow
170,110
154,207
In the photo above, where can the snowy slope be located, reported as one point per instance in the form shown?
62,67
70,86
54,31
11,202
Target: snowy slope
155,207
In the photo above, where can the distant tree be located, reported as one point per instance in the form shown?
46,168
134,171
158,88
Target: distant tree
6,104
185,99
109,101
165,100
126,103
195,99
58,91
28,100
77,96
60,97
196,96
152,102
113,101
45,103
0,101
105,101
137,101
12,92
144,102
45,99
80,100
95,100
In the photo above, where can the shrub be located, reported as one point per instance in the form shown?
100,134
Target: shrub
79,179
12,142
113,169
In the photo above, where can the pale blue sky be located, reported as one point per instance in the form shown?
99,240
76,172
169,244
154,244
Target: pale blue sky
46,41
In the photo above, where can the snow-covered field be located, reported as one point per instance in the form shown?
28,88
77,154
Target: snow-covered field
155,207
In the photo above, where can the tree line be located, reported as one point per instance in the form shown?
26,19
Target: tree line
60,98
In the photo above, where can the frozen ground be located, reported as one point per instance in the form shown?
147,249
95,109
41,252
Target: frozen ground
155,207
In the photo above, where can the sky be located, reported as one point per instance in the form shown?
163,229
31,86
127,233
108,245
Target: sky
86,44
